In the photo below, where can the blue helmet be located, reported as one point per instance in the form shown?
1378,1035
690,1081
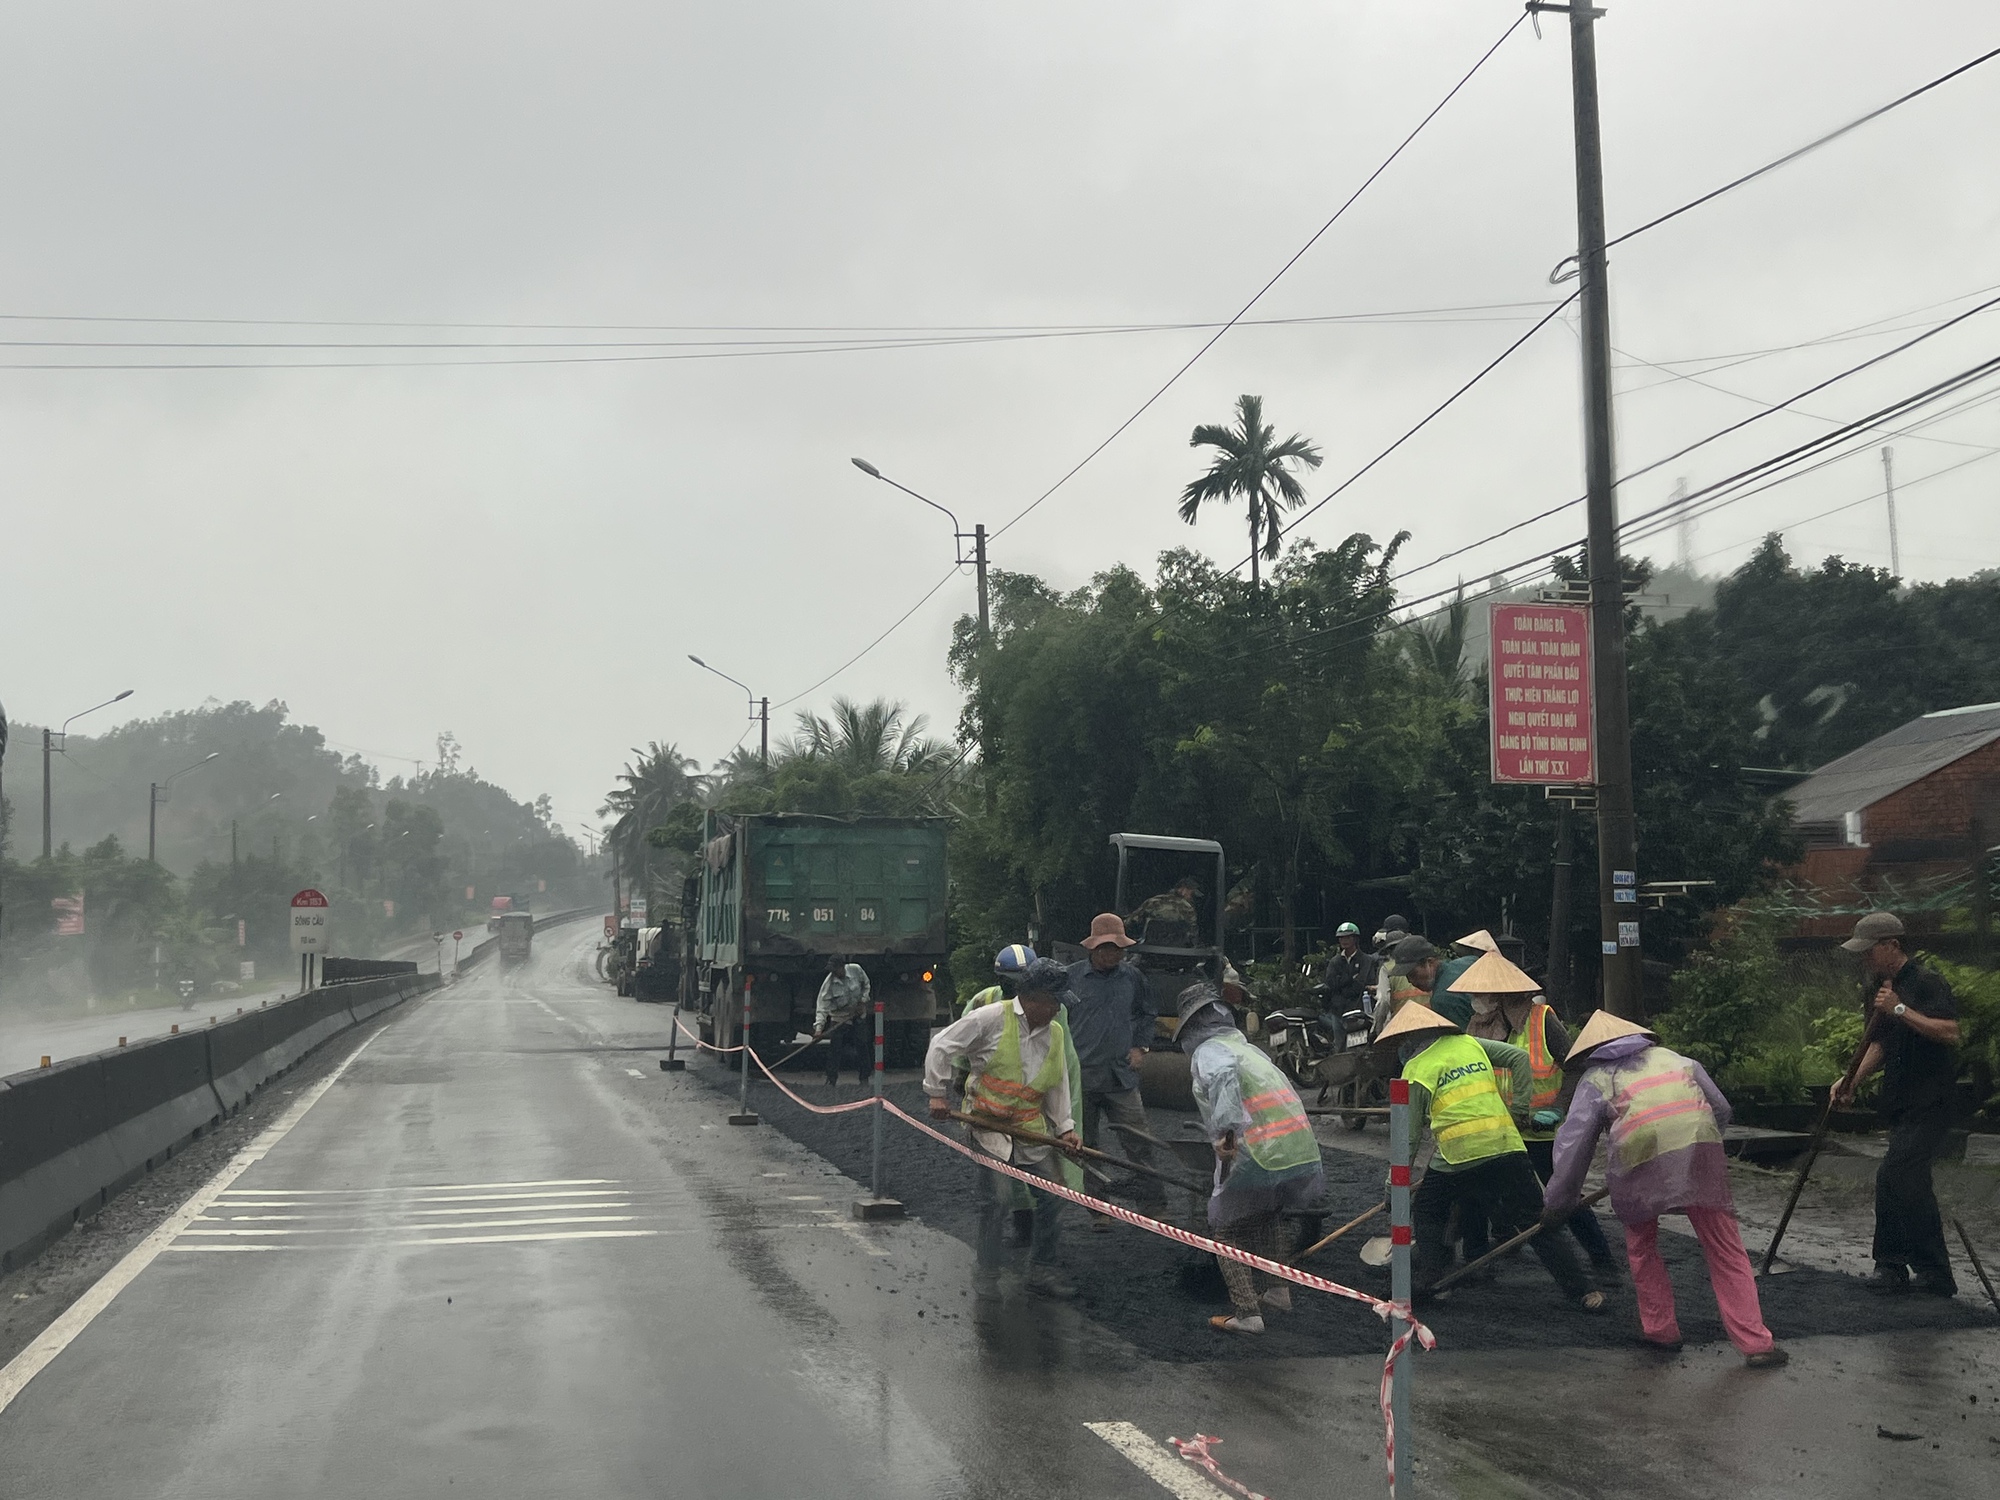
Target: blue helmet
1013,959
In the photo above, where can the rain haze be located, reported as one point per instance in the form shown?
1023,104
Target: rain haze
712,252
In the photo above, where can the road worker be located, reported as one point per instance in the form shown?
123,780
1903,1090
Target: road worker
1480,1162
1266,1156
1507,1006
843,1016
1019,1063
1446,999
1009,964
1666,1118
1411,974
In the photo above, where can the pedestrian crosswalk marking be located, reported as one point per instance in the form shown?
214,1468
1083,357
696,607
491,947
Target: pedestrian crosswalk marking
1156,1461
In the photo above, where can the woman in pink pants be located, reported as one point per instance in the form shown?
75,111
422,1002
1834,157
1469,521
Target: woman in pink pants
1665,1116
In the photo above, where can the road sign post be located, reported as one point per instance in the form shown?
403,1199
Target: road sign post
312,932
875,1206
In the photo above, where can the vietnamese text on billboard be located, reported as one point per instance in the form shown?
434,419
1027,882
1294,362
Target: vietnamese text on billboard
1539,669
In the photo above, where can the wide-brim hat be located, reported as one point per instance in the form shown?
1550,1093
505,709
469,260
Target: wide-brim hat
1602,1027
1107,927
1493,975
1195,996
1482,940
1413,1019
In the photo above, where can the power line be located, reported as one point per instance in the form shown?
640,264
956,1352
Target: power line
1788,157
1297,255
921,602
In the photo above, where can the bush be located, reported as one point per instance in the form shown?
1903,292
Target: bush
1978,994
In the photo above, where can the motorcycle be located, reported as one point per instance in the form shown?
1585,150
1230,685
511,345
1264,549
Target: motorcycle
186,988
1324,1050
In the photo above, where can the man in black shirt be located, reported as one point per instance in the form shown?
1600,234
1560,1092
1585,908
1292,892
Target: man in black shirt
1351,972
1913,1023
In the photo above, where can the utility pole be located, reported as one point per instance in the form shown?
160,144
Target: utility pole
48,820
152,821
979,561
1889,489
764,731
1617,830
1559,912
1683,525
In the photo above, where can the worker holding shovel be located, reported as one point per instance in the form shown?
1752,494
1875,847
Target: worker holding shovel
1665,1117
1266,1156
1018,1063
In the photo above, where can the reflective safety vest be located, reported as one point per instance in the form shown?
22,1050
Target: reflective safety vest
1468,1117
991,995
1533,1039
1279,1137
1005,1096
1656,1107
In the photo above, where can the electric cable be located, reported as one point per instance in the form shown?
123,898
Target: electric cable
1297,255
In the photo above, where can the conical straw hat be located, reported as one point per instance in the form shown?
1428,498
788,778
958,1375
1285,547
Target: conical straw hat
1602,1027
1412,1018
1493,975
1482,940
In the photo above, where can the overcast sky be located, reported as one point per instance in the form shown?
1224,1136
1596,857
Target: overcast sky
525,554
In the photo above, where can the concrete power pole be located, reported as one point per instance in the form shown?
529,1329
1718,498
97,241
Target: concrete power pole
1889,490
979,562
1617,829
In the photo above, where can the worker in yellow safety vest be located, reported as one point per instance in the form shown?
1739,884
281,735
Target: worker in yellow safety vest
1480,1162
1019,1061
1507,1006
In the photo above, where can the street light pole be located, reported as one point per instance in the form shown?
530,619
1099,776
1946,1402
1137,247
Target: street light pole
760,708
49,747
156,794
976,536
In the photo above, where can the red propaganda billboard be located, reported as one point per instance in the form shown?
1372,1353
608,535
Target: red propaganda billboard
1539,668
69,915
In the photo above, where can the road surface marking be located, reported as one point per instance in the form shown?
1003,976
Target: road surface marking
1156,1461
635,1073
60,1334
423,1187
414,1213
387,1228
570,1195
510,1239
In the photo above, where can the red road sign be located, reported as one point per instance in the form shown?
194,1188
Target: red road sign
310,897
457,937
1542,729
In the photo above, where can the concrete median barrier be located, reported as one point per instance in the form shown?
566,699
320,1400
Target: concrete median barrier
73,1135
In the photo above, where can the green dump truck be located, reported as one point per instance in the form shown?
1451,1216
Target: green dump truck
779,892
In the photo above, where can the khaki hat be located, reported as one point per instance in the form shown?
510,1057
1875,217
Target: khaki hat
1871,929
1107,927
1413,1019
1482,940
1602,1027
1493,975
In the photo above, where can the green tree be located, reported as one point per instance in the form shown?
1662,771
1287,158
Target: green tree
866,738
1250,466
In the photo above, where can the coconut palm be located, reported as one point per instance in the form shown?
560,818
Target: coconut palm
657,778
864,738
1248,464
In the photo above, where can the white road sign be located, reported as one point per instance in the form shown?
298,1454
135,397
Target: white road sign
312,923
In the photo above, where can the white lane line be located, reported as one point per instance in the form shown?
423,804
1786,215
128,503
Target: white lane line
578,1195
635,1072
60,1334
388,1228
415,1213
425,1187
1156,1461
511,1239
185,1249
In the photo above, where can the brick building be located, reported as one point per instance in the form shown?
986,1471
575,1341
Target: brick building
1909,812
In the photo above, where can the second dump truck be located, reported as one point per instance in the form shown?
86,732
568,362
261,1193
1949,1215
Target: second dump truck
779,893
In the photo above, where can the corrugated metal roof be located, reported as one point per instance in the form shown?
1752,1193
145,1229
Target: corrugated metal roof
1896,760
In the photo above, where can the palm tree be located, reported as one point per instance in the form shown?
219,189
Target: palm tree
1249,464
1438,651
657,778
864,738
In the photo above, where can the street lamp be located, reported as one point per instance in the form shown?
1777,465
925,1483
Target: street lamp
760,708
49,747
959,535
156,793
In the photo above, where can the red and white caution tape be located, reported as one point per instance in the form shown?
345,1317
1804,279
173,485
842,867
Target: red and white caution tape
1195,1450
1382,1308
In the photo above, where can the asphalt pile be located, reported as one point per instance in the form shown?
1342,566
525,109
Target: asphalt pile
1157,1295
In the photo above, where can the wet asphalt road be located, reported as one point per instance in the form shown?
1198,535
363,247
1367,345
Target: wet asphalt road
504,1254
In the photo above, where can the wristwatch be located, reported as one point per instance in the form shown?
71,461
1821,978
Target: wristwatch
1900,1010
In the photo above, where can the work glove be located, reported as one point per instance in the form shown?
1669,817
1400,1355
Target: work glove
1544,1118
